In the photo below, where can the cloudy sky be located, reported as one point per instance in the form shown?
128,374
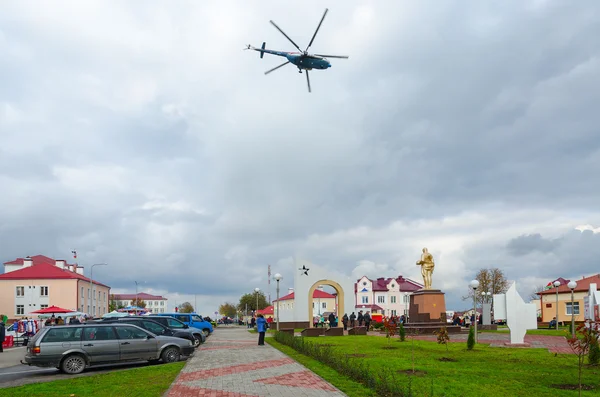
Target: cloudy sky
141,135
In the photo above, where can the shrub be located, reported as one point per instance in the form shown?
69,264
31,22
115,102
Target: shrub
471,339
443,337
378,325
594,354
402,332
585,336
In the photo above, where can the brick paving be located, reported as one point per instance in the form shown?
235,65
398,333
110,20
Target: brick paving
231,364
554,344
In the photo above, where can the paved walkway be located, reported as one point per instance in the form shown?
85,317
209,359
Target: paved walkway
232,364
554,344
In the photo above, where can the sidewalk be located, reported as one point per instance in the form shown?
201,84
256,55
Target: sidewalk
232,364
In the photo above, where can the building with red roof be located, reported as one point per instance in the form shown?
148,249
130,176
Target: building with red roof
36,282
549,304
154,303
323,302
386,296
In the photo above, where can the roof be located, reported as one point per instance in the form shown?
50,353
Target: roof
317,294
141,295
381,284
43,268
372,307
266,310
583,285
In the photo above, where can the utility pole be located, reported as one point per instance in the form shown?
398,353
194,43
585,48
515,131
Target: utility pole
269,285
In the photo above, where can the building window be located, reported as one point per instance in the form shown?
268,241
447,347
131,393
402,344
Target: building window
406,299
43,291
43,306
20,310
575,308
381,299
155,303
393,300
323,305
365,299
393,312
313,305
162,303
20,291
82,296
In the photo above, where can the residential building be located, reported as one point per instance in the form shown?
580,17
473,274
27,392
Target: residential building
386,296
154,303
565,308
323,303
32,283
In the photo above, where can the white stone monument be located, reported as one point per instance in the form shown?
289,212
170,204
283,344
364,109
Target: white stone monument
307,277
520,316
591,301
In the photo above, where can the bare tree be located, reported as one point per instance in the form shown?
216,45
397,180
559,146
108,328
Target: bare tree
534,295
490,280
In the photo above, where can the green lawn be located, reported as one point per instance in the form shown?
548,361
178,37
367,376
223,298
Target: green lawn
489,371
149,381
562,331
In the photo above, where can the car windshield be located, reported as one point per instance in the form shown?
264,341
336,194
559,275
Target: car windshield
173,323
197,318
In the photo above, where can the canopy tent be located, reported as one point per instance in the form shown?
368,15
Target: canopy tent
115,313
65,315
52,310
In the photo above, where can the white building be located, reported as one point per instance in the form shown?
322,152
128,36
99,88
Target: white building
154,303
386,296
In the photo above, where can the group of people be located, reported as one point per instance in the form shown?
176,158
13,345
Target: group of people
353,318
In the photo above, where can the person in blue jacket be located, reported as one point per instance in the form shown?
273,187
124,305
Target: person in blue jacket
261,327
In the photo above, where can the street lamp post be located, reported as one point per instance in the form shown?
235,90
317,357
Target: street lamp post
92,286
405,306
557,284
572,285
278,278
256,290
475,284
136,297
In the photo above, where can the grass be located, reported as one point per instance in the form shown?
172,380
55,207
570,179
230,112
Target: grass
143,382
489,371
348,386
562,331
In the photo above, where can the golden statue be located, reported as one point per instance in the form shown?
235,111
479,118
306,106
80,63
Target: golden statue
427,266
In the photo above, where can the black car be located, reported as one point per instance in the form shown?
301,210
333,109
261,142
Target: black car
177,325
154,327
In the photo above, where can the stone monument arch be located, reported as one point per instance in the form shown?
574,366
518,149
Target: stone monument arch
296,311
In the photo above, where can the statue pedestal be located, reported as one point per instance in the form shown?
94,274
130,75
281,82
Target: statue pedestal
427,313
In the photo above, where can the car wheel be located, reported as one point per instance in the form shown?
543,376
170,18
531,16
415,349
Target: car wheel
73,364
206,332
197,340
170,355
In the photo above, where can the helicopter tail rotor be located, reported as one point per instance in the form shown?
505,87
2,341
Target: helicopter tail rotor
262,53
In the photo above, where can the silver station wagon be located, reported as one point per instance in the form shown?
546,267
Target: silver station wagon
73,348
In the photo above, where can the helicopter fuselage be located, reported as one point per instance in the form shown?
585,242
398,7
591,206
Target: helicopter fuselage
302,61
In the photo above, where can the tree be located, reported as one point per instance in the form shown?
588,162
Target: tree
186,307
138,302
112,303
228,309
490,280
534,295
250,300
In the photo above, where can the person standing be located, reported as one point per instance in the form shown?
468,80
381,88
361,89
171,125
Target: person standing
345,321
352,319
360,318
261,327
367,319
2,332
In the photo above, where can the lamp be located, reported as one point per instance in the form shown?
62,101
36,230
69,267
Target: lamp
256,290
474,284
278,278
557,284
572,285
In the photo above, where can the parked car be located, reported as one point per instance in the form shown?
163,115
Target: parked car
73,348
192,320
179,326
155,327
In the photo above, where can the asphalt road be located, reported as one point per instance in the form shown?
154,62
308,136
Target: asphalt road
13,373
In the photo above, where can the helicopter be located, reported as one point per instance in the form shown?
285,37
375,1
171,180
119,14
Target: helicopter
303,60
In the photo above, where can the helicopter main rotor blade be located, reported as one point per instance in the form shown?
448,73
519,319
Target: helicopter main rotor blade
277,67
316,31
333,56
286,36
307,80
